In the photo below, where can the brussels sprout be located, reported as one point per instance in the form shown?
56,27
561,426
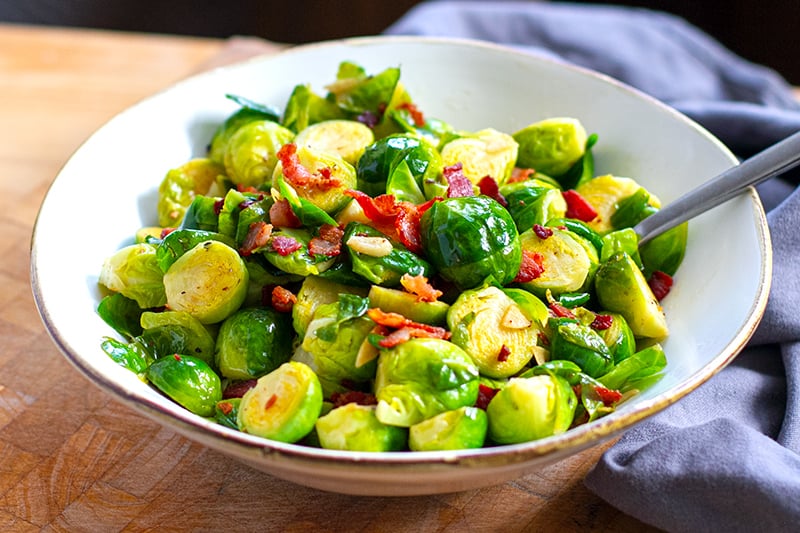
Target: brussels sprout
329,199
121,313
223,134
459,429
583,169
305,108
665,252
209,282
468,239
133,271
406,304
580,229
632,210
251,155
128,355
187,380
201,214
252,342
487,152
494,330
530,203
314,292
359,94
531,408
421,378
638,371
410,165
334,339
198,341
552,145
355,427
580,344
619,241
622,288
342,138
180,241
283,405
604,194
298,261
377,259
569,262
180,186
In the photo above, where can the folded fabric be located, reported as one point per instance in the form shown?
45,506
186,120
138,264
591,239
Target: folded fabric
727,456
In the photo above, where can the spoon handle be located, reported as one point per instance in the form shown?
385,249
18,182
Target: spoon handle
776,159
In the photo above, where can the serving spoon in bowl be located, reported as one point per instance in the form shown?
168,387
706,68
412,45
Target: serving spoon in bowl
778,158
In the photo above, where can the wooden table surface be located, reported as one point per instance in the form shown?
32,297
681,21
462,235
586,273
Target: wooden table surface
71,457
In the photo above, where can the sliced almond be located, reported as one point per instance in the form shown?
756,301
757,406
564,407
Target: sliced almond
371,246
514,318
366,352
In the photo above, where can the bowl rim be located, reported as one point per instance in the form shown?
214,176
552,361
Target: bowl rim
251,447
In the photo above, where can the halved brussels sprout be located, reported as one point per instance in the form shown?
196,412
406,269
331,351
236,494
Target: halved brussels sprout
314,292
252,342
251,154
209,282
572,341
377,259
531,408
421,378
622,288
180,186
621,241
133,271
487,152
569,262
298,261
355,427
496,332
180,241
199,343
468,239
531,203
401,159
329,198
283,405
459,429
223,134
187,380
604,193
551,145
344,138
406,304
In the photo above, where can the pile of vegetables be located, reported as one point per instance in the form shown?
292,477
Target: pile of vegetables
351,274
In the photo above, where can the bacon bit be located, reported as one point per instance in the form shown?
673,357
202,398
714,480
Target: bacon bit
416,114
177,357
602,322
530,268
607,396
488,187
381,209
542,232
660,283
560,311
237,389
459,184
406,225
258,235
270,402
395,219
225,407
218,205
249,188
485,395
578,207
331,233
299,176
406,329
319,246
282,216
520,174
543,339
285,245
418,285
361,398
505,351
283,299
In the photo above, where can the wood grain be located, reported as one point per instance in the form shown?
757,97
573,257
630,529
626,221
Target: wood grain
72,458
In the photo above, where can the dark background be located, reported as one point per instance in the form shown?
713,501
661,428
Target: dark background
762,31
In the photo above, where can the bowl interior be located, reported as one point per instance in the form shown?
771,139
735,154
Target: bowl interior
107,190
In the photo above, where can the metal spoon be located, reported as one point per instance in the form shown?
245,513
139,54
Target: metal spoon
778,158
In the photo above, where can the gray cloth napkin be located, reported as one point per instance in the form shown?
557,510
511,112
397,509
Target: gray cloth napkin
727,456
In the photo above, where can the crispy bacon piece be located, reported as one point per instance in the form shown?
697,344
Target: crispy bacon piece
660,283
405,328
607,396
488,187
485,395
602,322
299,176
282,216
283,299
225,407
560,311
459,184
418,285
258,235
520,174
542,232
285,245
361,398
578,207
416,114
530,268
381,209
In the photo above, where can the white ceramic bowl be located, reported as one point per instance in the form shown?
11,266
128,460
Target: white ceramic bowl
108,189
